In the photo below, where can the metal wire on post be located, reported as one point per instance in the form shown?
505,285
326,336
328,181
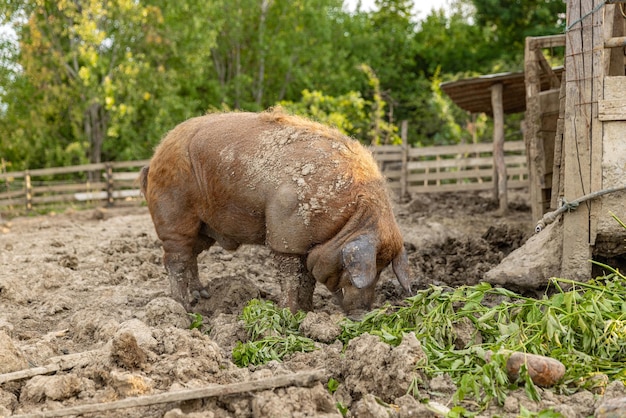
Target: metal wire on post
550,217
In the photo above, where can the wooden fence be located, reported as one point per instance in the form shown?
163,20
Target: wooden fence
450,168
408,170
81,183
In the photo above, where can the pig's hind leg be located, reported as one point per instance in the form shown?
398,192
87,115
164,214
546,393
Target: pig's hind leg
179,232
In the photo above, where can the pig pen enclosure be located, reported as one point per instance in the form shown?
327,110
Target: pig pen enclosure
87,325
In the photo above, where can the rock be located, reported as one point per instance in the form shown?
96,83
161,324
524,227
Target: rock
442,384
11,358
130,384
373,367
465,334
8,401
320,326
167,312
295,402
612,408
56,388
368,407
544,371
126,352
411,408
177,413
141,332
533,264
615,389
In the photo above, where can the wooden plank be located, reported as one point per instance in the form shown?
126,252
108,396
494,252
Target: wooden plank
549,101
464,163
532,124
547,69
557,163
462,187
66,170
465,175
72,188
12,194
307,378
498,148
613,161
549,41
577,147
128,164
405,159
596,140
609,110
12,175
617,42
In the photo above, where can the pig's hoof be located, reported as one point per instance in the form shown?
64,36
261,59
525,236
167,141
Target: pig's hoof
357,315
197,294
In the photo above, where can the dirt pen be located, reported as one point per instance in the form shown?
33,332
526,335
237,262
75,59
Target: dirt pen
409,170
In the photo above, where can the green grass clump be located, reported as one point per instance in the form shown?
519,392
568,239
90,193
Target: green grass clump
272,332
584,327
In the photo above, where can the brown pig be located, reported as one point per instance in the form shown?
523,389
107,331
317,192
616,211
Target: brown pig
314,196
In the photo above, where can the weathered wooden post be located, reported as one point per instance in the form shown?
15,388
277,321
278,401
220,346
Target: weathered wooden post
29,191
580,126
500,180
108,167
404,174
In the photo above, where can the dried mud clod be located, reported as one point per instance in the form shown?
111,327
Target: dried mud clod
126,352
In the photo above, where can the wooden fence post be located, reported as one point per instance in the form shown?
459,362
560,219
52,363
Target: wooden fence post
404,174
29,191
110,186
498,147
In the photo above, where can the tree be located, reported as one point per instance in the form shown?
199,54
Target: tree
271,50
511,21
90,70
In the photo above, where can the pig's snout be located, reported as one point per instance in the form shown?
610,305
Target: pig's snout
356,302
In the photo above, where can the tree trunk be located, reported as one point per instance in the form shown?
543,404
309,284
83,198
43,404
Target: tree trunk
95,130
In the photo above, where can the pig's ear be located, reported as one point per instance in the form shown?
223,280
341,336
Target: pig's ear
401,269
358,259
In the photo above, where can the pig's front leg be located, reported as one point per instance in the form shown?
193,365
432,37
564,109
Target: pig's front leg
296,283
182,271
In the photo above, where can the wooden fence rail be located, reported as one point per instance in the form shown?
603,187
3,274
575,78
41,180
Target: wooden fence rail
408,170
108,182
450,168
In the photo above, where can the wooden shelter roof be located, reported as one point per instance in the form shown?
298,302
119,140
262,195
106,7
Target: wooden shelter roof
474,94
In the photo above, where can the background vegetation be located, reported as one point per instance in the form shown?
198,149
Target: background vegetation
89,81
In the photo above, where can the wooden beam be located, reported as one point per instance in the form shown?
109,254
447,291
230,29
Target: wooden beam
555,83
575,264
295,379
532,126
498,147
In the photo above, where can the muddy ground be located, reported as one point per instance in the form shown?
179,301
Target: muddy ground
92,282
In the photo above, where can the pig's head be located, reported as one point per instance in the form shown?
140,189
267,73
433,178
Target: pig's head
350,266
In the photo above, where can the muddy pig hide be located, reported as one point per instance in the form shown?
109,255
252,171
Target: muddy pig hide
314,196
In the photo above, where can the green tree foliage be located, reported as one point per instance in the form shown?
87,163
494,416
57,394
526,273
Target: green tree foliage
92,77
271,50
91,80
511,21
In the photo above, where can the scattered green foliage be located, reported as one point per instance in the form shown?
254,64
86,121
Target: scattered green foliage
525,413
343,410
197,322
583,327
333,385
273,334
